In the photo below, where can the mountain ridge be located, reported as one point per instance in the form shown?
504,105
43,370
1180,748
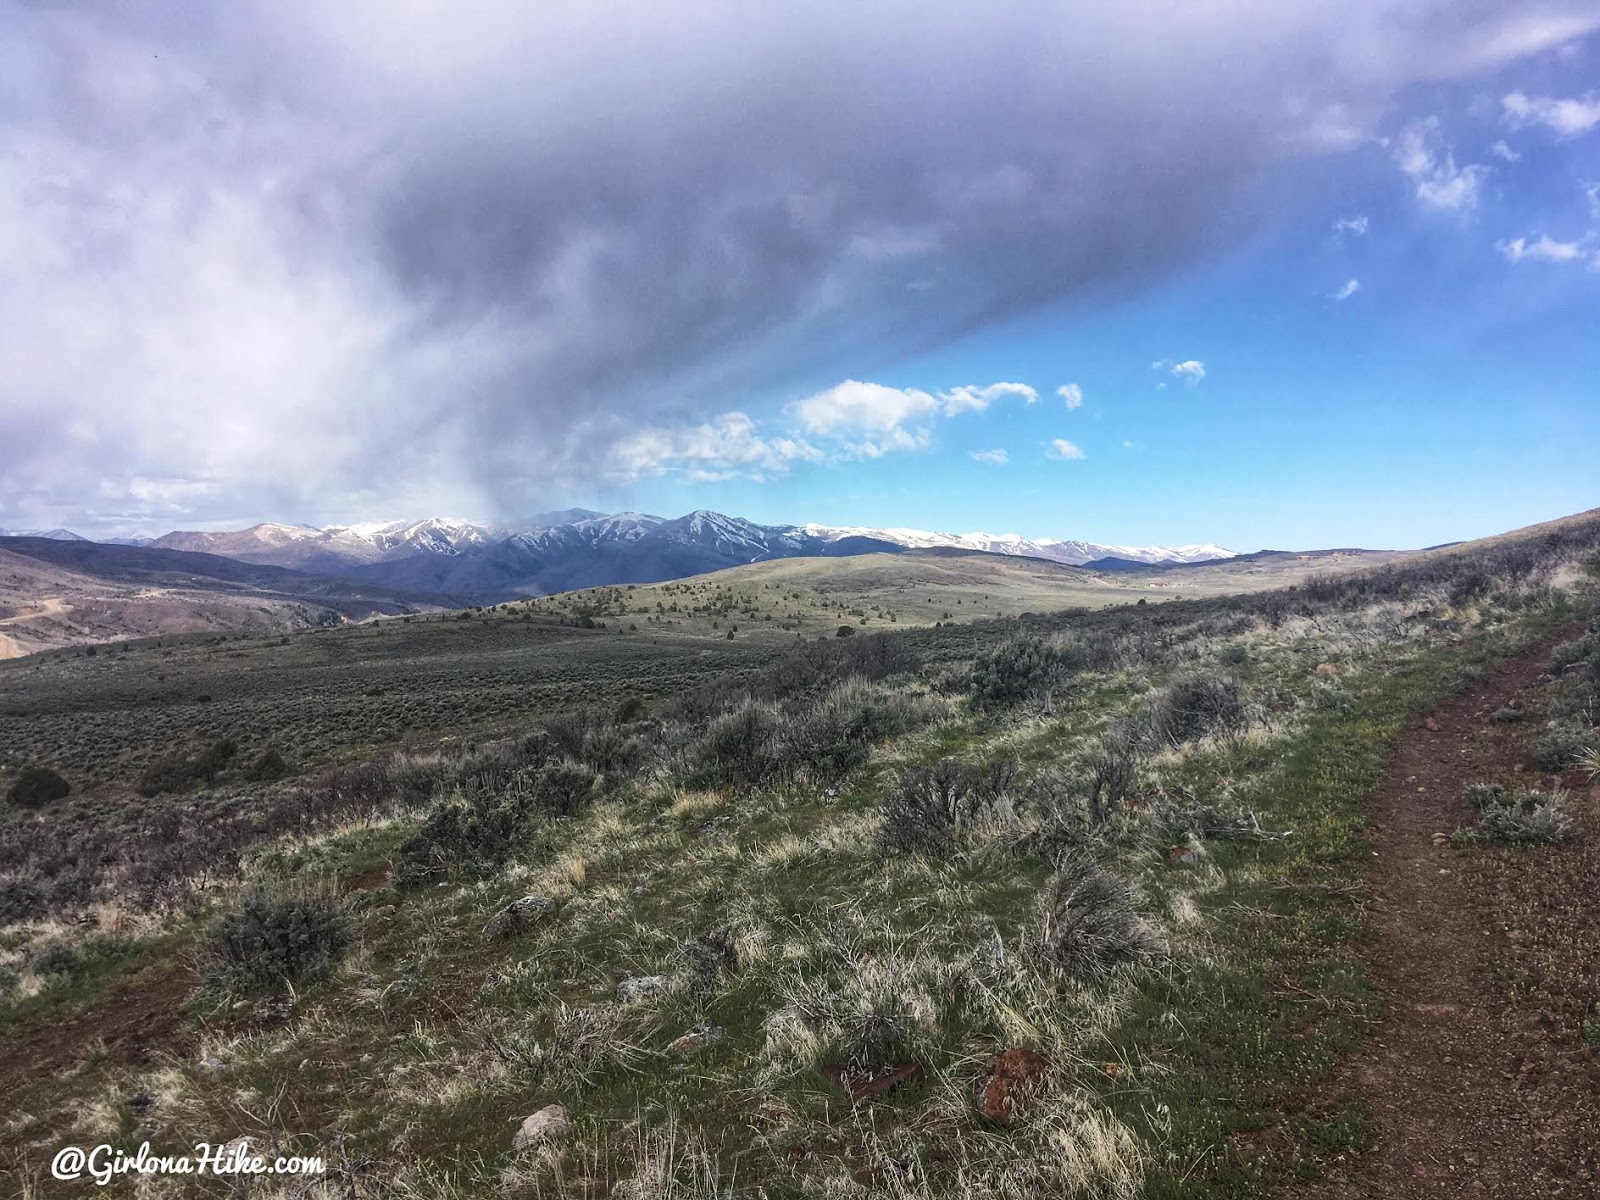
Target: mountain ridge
578,548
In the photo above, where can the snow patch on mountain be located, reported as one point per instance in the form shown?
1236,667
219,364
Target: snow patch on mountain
1062,550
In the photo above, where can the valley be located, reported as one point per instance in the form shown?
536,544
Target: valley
782,910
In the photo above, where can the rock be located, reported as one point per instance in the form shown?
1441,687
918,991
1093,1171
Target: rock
519,915
640,987
1012,1080
1431,725
550,1121
699,1036
1327,670
211,1065
1183,856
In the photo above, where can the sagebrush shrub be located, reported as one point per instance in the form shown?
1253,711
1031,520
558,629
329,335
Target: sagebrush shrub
269,941
36,786
1523,815
838,734
1087,923
169,773
54,959
740,749
266,766
1558,747
935,810
1025,668
1193,705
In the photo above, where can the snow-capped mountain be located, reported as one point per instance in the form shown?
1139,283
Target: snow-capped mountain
1071,552
54,535
578,548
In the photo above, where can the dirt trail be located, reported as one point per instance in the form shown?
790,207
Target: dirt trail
131,1022
1476,1094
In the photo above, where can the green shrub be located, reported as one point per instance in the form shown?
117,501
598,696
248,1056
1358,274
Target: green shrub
1026,668
21,900
741,748
1559,746
1191,706
1087,923
565,789
838,734
266,767
169,773
54,959
37,786
1524,815
270,941
936,810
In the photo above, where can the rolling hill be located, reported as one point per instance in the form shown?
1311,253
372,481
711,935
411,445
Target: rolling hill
57,593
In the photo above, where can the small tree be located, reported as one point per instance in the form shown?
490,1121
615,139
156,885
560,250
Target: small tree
36,786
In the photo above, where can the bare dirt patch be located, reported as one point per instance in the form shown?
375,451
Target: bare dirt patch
130,1024
1479,1078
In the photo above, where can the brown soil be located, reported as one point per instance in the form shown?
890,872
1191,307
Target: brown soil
129,1024
1479,1078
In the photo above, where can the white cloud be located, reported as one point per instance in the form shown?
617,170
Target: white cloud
976,399
1438,182
1565,118
1071,395
724,447
1545,249
1064,450
1350,288
872,419
1354,226
1191,370
1591,193
857,407
1504,152
990,458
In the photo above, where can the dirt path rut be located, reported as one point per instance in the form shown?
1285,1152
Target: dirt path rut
1474,1094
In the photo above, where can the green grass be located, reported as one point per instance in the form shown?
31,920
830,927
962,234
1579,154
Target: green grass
1202,1077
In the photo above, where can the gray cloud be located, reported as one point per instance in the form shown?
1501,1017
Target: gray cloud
325,261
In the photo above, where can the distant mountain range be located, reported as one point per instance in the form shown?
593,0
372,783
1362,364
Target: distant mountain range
578,548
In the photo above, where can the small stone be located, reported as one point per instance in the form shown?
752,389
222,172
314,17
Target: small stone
639,988
550,1121
211,1066
1183,856
1431,725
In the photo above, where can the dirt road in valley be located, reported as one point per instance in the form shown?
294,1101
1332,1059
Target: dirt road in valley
1482,1083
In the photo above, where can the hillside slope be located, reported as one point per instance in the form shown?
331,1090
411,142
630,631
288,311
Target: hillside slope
59,593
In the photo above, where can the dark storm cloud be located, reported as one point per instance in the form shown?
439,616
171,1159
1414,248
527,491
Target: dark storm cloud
320,261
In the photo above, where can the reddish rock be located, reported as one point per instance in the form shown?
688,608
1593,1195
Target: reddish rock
1431,725
1011,1081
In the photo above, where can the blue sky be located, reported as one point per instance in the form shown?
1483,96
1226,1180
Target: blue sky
1454,393
1323,273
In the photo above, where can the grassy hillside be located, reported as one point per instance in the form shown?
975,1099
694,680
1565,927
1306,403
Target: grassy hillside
1055,906
58,593
930,587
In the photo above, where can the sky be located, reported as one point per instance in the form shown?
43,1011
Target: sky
1242,272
